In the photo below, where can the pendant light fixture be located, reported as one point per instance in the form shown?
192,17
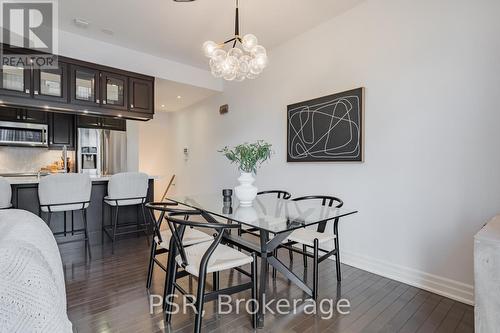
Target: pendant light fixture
236,63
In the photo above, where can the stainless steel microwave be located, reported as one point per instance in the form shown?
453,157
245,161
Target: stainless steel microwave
23,134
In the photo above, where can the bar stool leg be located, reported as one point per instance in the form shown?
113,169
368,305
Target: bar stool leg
85,226
64,224
115,223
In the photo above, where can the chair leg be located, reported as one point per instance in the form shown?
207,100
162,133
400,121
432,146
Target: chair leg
315,270
199,302
290,254
254,290
304,256
115,223
151,264
64,224
85,226
337,259
216,286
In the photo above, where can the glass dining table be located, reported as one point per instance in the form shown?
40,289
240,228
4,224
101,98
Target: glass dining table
274,220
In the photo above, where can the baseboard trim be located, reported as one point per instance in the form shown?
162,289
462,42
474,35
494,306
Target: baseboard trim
455,290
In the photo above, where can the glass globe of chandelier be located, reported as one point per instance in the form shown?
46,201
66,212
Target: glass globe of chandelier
236,63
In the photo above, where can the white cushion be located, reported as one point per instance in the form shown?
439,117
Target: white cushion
191,236
64,188
307,236
127,185
223,258
5,193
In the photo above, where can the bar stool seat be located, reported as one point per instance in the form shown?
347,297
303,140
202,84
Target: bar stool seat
5,194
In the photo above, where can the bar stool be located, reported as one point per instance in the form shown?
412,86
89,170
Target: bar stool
5,194
125,189
64,193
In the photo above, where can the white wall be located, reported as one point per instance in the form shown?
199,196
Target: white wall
431,175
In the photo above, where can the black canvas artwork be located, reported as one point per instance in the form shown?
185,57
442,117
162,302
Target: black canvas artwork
326,129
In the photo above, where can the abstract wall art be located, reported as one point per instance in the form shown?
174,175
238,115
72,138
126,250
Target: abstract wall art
326,129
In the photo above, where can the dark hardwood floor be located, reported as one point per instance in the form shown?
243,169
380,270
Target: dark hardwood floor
108,294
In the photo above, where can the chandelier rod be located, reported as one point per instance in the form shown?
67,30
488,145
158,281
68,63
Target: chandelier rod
236,25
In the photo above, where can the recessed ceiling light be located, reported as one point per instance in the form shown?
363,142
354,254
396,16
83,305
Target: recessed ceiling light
85,111
184,0
163,105
81,23
119,115
179,97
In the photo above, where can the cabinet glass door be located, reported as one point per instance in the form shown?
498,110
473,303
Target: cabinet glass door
51,84
13,78
84,86
114,91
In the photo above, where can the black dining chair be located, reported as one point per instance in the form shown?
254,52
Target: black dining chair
161,238
280,194
310,238
208,257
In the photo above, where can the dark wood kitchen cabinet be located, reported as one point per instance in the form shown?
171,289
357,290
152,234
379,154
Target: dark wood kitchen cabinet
15,81
116,124
78,87
62,131
84,86
22,115
114,91
51,84
141,95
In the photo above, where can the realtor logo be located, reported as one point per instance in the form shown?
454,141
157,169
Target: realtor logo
31,26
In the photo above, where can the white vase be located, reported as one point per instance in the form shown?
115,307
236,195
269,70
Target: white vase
246,192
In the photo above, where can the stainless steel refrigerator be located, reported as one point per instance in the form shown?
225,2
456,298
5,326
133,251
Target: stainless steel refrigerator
101,152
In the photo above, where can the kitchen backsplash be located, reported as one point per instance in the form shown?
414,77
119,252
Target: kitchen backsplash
22,159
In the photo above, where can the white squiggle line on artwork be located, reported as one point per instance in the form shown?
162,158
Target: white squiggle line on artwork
301,147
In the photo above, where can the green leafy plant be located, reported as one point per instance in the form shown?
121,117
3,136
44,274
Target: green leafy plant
249,156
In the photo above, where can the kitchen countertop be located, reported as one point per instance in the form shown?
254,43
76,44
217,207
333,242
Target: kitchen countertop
36,180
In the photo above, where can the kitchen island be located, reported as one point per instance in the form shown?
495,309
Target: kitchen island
25,196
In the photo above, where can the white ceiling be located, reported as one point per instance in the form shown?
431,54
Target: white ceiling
167,93
177,30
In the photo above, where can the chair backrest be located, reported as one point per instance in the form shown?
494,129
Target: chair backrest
280,194
128,185
5,193
177,227
164,207
326,200
64,188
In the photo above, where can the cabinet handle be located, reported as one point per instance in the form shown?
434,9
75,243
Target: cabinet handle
35,92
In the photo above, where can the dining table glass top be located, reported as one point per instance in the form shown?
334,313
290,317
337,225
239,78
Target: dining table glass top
267,212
